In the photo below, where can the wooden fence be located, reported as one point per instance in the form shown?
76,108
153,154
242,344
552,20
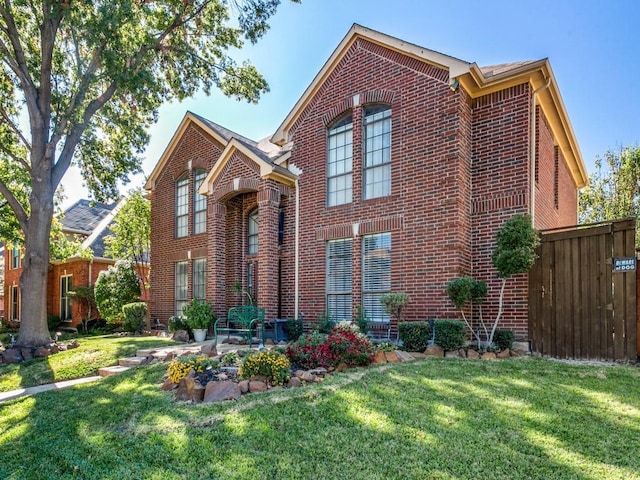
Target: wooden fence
582,293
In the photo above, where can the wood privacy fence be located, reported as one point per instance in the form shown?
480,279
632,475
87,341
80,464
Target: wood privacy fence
582,293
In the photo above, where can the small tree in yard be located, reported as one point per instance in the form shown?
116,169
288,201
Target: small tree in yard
85,294
116,287
464,290
394,303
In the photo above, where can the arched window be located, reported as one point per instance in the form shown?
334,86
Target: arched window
199,203
339,162
252,232
182,206
377,152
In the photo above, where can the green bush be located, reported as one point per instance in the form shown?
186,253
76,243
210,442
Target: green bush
53,322
450,334
325,323
135,317
294,329
199,314
114,288
503,339
361,319
271,364
342,345
414,335
178,323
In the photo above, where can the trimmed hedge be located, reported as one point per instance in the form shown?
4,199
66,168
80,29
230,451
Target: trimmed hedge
450,334
503,338
135,317
414,335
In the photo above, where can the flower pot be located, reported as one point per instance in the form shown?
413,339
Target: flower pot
199,334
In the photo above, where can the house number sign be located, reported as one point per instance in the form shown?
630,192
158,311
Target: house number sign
624,264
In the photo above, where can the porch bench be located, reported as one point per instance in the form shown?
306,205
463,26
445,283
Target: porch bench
244,320
379,330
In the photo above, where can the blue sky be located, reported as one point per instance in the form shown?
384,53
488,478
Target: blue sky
593,47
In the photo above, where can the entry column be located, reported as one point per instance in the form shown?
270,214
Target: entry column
268,209
216,271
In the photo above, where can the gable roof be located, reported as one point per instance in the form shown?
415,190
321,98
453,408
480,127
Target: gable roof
84,216
477,81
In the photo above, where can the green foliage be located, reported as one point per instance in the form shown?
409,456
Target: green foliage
230,359
180,367
294,329
450,334
135,317
466,289
53,322
515,248
394,304
613,191
114,288
503,339
341,346
386,347
86,295
302,352
178,322
361,319
269,363
199,314
414,335
325,323
346,326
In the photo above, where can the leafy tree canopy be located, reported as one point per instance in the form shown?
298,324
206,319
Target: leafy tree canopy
116,287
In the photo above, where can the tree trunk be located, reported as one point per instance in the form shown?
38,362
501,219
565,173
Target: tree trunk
35,266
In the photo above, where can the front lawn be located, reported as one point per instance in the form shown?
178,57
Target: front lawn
433,419
92,354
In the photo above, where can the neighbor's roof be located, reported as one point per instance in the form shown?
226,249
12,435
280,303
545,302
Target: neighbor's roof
84,216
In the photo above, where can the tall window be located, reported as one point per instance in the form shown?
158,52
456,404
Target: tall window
182,206
14,314
252,232
66,285
181,286
199,203
339,279
339,164
199,278
15,256
376,274
377,148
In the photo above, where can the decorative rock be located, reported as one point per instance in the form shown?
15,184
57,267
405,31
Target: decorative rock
488,356
320,371
74,344
41,352
168,385
54,348
519,353
418,355
189,389
27,354
282,343
380,358
391,357
471,353
342,367
209,349
506,353
244,386
269,342
294,382
256,386
222,377
12,355
404,356
62,347
307,377
220,391
181,336
434,351
298,373
452,354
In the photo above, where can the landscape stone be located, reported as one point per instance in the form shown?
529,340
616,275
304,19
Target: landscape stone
405,356
220,391
269,342
341,367
418,355
506,353
471,353
74,344
391,357
209,349
488,356
168,385
380,358
244,386
181,336
320,371
452,354
256,386
294,382
307,377
54,348
12,355
518,352
27,354
189,389
434,351
41,352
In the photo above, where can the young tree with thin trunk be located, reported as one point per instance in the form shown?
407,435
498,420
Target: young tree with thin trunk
81,82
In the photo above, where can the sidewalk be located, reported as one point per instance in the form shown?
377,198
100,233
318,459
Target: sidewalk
187,347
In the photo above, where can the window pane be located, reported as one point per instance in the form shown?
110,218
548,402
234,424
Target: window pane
339,279
181,286
376,274
199,278
182,206
252,232
340,163
377,171
199,203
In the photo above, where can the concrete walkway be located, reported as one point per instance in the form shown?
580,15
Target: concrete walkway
160,353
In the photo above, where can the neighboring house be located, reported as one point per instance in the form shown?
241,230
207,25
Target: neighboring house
88,222
392,173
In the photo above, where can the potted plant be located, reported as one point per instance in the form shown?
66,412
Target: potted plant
199,316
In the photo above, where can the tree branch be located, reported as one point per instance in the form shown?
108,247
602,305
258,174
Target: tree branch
15,205
14,127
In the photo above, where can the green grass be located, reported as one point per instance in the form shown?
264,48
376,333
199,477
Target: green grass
432,419
93,353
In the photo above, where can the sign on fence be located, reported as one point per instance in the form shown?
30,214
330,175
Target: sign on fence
624,264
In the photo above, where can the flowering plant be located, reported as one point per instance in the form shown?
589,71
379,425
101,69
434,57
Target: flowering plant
270,363
180,366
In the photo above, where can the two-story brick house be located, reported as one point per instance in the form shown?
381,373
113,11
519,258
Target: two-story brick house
392,173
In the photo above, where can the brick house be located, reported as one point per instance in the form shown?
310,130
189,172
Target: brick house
88,222
392,173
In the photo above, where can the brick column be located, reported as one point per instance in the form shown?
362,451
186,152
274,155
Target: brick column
217,246
268,206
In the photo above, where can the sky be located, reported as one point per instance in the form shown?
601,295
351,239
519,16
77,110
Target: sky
593,47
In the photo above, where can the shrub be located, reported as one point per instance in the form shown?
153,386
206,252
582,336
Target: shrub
450,334
361,319
135,316
346,326
325,323
394,303
114,288
342,345
178,323
53,322
386,347
294,329
230,359
503,339
271,364
180,366
414,335
199,314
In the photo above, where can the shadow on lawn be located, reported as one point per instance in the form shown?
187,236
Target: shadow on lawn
434,419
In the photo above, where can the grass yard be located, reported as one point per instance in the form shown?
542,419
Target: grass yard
433,419
93,353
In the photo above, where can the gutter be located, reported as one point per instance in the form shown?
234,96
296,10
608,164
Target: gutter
532,189
296,289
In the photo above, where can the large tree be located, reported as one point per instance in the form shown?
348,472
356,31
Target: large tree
81,82
614,188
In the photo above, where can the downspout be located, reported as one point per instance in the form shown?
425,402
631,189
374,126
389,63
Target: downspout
532,189
296,269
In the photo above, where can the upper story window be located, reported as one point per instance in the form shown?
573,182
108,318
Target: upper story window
15,256
199,203
339,163
377,152
182,206
252,232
